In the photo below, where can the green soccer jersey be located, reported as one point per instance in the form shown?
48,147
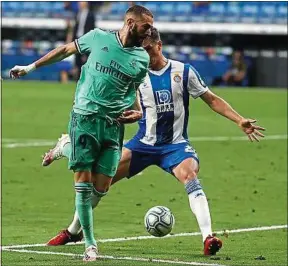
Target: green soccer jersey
111,75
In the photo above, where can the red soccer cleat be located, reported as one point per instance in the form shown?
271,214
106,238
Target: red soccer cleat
64,237
212,245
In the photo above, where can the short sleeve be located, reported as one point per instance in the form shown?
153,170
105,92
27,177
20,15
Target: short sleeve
195,86
143,73
85,42
141,79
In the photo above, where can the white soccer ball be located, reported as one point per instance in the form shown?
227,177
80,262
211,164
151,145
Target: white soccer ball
159,221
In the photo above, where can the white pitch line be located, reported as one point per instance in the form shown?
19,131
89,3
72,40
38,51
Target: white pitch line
115,258
123,239
29,144
9,143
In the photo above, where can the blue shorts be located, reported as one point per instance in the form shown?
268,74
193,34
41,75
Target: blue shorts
167,156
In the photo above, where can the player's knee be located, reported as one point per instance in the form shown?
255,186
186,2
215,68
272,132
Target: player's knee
188,176
191,175
99,193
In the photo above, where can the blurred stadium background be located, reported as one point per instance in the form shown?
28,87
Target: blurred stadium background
202,33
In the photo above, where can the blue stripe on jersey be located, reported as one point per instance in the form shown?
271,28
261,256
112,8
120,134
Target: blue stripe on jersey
142,122
164,102
186,99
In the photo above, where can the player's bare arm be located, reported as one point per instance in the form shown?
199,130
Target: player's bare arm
53,56
220,106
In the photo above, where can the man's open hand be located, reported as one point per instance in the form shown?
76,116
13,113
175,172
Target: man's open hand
251,130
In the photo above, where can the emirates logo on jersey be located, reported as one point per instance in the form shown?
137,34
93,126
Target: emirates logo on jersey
177,78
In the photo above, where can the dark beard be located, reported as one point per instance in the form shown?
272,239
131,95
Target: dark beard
135,38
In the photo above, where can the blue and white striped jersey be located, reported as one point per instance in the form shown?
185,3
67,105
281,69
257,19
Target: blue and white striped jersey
164,98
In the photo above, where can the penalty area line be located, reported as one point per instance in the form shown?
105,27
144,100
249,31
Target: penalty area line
114,258
123,239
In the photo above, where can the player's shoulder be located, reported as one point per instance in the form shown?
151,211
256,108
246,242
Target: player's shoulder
185,66
142,52
142,55
103,32
178,65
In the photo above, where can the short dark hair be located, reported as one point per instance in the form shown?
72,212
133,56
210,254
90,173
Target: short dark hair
155,35
139,10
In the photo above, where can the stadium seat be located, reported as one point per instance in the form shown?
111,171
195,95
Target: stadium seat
199,13
216,11
267,12
233,12
152,6
117,10
249,12
281,13
169,49
57,7
183,11
166,8
185,50
29,6
165,11
6,7
45,7
119,7
14,6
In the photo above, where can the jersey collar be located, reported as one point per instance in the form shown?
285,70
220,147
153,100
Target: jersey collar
161,71
120,43
118,38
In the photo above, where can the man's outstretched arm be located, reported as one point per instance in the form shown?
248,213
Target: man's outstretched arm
53,56
220,106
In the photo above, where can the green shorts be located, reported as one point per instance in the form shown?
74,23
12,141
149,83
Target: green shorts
96,144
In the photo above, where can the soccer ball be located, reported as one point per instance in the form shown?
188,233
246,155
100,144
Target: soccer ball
159,221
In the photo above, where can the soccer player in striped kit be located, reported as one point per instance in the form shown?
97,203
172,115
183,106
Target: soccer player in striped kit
162,138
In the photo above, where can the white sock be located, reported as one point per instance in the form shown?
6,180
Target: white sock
199,206
75,227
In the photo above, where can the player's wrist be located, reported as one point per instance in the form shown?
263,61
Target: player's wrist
30,68
240,120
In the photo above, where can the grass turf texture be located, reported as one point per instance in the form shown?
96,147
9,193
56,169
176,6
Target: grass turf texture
245,182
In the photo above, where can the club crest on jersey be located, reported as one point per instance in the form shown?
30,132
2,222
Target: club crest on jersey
164,101
177,78
133,63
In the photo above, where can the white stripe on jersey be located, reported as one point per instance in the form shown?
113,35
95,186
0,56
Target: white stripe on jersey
177,68
149,104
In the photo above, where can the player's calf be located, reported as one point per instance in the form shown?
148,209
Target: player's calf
186,172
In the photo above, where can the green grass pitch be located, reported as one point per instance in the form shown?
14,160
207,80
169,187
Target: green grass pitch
246,184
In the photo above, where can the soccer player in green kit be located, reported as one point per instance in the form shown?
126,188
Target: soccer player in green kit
116,66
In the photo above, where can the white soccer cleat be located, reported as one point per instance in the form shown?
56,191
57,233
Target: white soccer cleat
56,152
90,253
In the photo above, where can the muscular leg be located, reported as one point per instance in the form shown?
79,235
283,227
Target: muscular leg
122,171
123,167
186,172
